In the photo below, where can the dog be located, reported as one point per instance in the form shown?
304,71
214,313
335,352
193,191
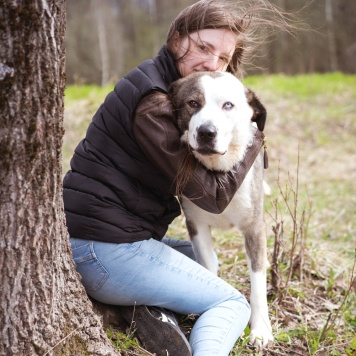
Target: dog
217,118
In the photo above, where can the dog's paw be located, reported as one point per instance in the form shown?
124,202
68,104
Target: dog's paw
260,337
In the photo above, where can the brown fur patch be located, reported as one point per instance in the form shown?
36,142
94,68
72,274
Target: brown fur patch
259,111
191,228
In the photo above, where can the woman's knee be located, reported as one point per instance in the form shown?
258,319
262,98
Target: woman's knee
241,304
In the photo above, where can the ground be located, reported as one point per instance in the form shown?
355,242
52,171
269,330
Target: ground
310,215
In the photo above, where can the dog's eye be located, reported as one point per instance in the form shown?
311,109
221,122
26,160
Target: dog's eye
193,104
228,105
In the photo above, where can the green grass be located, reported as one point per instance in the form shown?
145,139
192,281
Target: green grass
305,86
313,117
94,93
122,342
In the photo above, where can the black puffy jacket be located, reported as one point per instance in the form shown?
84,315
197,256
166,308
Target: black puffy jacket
112,192
122,182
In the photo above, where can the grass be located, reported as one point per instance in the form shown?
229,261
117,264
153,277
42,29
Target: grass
122,342
311,130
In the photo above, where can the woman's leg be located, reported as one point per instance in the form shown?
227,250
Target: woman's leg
151,273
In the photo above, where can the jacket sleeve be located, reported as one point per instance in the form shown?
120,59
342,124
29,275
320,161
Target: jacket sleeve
158,137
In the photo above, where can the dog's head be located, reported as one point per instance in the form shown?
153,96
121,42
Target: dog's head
215,115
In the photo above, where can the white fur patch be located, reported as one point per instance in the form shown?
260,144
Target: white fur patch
261,330
233,126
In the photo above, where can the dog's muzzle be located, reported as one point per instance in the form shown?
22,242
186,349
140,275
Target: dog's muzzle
206,139
206,134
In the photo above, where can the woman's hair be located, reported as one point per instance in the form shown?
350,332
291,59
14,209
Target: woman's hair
252,21
248,20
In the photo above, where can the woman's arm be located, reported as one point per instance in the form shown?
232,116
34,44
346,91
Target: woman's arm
157,135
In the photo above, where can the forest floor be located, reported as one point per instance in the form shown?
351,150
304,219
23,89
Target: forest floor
310,214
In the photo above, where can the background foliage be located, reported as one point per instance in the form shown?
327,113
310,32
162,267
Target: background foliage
107,38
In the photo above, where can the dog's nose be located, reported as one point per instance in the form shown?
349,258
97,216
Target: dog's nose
206,133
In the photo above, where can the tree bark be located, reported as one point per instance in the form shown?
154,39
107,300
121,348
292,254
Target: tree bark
44,309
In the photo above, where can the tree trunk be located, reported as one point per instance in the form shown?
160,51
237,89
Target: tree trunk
44,309
152,10
331,35
98,14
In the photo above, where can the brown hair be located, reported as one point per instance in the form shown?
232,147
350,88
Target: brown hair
247,21
252,21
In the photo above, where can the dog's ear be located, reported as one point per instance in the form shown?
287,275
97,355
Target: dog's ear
173,90
259,111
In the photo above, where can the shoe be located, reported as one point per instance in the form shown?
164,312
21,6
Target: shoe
157,329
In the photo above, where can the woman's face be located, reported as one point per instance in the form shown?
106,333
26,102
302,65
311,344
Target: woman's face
208,50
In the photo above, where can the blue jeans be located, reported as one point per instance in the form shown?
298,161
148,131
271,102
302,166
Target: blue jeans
164,273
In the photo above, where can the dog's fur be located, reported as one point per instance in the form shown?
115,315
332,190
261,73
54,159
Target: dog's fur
217,116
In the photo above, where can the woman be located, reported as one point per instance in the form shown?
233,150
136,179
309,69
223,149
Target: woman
119,194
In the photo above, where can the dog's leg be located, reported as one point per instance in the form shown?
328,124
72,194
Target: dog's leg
261,331
200,236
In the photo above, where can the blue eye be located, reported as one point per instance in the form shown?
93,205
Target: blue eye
228,105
